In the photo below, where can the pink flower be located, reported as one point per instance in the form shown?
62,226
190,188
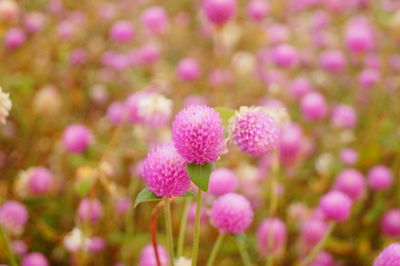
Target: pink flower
188,69
165,172
219,11
222,181
115,113
13,217
90,210
312,232
351,182
390,256
34,259
336,206
344,116
257,9
380,177
313,106
231,213
348,156
271,236
122,31
390,223
300,87
14,38
198,134
254,131
284,55
332,61
76,138
154,19
40,180
148,257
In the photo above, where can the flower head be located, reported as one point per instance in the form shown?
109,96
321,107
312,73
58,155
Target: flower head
219,11
198,134
273,229
254,131
148,256
90,210
222,181
336,205
5,106
390,256
351,182
231,213
390,223
13,217
165,172
380,177
76,138
34,259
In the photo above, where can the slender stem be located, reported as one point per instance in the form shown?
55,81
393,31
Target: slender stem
215,249
196,237
168,223
270,260
314,252
4,239
243,253
182,228
153,230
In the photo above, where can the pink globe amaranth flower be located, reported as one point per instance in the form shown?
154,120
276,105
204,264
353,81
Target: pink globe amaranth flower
14,38
333,61
257,9
19,247
148,256
254,131
390,223
336,206
9,11
351,182
132,106
291,141
78,57
323,258
369,77
188,69
348,156
198,134
13,217
76,138
96,244
359,36
115,113
312,232
231,213
278,33
222,181
192,214
284,55
313,106
300,87
66,30
390,256
154,110
219,11
154,19
34,22
146,55
344,116
165,172
90,210
271,236
122,31
34,259
380,177
40,181
122,205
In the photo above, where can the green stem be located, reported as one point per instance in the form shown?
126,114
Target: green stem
182,228
196,237
170,240
314,252
243,253
6,242
215,249
270,260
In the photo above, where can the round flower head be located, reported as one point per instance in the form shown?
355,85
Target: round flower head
344,116
291,141
300,87
148,256
40,181
132,106
323,258
284,55
231,213
332,61
312,232
122,205
188,69
390,256
351,182
146,55
154,110
76,138
9,11
34,22
348,156
271,236
380,177
336,206
219,11
115,113
313,106
96,244
278,33
14,38
198,134
90,210
34,259
257,9
359,36
122,31
369,77
222,181
165,172
254,131
13,217
19,247
390,223
154,19
78,57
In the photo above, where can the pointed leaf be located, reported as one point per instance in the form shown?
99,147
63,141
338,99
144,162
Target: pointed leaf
225,114
200,174
145,196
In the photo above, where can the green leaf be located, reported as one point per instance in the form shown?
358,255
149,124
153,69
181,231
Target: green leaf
200,174
225,114
189,194
145,196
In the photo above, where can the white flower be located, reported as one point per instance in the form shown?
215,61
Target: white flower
182,261
155,109
5,106
75,240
